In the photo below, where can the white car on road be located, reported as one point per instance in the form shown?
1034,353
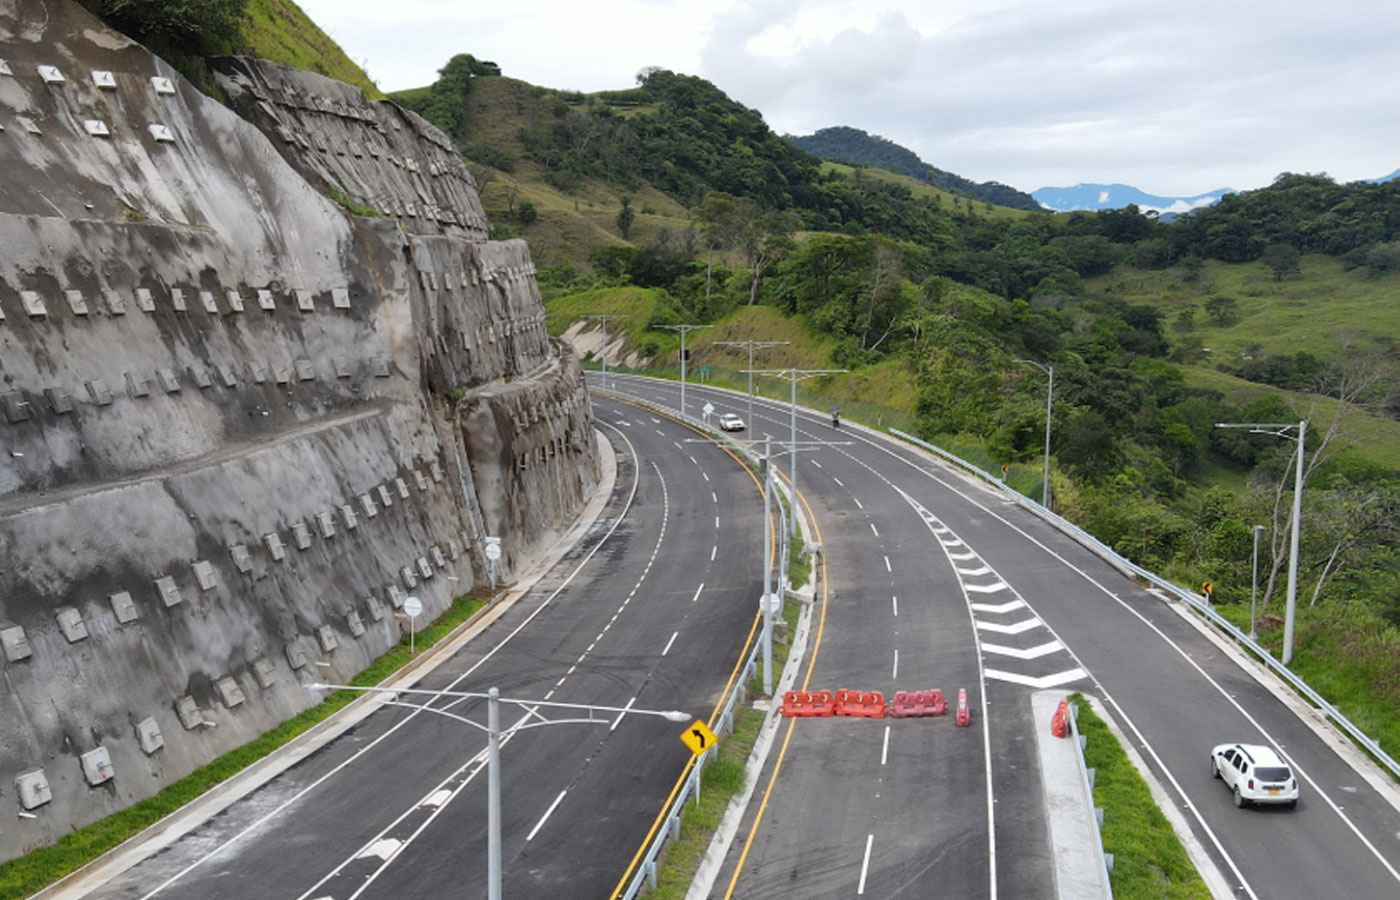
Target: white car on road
1255,773
731,422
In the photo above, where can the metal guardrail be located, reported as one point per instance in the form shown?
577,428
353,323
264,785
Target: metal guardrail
1086,778
1367,743
645,874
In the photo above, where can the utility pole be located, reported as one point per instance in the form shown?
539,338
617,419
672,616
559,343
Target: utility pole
794,375
751,345
1281,430
604,318
1049,407
683,329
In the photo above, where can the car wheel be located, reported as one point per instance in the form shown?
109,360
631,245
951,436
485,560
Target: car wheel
1239,800
1214,768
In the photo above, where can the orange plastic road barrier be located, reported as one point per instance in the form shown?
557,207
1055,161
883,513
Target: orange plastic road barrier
808,703
964,718
908,704
1059,723
866,704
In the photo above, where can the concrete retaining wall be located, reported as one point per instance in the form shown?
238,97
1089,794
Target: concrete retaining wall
238,426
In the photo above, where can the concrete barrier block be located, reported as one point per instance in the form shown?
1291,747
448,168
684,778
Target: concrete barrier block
301,535
368,505
230,694
425,568
33,788
188,712
296,655
325,637
51,74
178,301
242,559
163,86
160,133
169,591
208,301
266,301
396,596
205,575
386,499
410,580
98,392
169,381
273,541
264,672
148,735
144,301
16,407
33,304
97,766
375,608
354,623
325,524
13,642
71,623
347,515
116,304
234,301
138,385
123,607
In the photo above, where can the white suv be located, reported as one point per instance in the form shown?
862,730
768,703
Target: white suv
1256,774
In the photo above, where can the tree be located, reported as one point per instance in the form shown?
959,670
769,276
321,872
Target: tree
527,214
625,218
718,215
1221,308
192,26
1282,259
764,236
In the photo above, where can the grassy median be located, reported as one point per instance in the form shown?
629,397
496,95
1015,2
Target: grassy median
27,874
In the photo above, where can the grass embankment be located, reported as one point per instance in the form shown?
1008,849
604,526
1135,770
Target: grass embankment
279,31
919,188
1346,653
23,876
1149,862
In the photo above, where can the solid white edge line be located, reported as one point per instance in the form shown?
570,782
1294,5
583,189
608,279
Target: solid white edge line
865,865
545,818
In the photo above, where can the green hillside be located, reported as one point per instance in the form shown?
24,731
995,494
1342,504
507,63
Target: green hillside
855,147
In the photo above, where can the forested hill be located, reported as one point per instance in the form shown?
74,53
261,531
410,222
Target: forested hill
858,148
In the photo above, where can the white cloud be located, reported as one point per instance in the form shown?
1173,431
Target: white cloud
1174,98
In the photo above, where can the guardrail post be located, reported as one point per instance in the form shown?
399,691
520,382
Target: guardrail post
651,874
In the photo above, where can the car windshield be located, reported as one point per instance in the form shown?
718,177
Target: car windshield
1271,773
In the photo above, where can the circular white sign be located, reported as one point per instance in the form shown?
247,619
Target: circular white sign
413,607
493,551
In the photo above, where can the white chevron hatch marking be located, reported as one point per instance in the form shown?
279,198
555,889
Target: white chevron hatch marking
980,570
1016,628
986,588
1006,607
383,848
1018,653
1041,684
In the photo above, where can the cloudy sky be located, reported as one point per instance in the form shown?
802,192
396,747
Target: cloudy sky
1175,97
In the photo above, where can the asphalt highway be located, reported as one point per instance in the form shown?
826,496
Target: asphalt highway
935,581
651,610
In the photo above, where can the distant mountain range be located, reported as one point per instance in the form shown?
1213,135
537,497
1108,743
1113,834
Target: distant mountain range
857,148
1384,178
1117,196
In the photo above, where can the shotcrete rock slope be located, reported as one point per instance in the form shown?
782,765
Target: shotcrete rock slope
238,426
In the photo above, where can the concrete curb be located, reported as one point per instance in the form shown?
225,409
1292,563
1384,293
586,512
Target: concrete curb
1068,810
192,815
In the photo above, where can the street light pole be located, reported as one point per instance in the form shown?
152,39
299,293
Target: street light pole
683,329
533,718
792,375
750,345
493,794
1049,370
1281,430
1254,586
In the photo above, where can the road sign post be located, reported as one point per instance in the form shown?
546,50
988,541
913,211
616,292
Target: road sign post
698,737
493,554
413,608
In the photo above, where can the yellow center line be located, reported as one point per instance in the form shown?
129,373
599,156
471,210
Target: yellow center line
782,751
714,713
